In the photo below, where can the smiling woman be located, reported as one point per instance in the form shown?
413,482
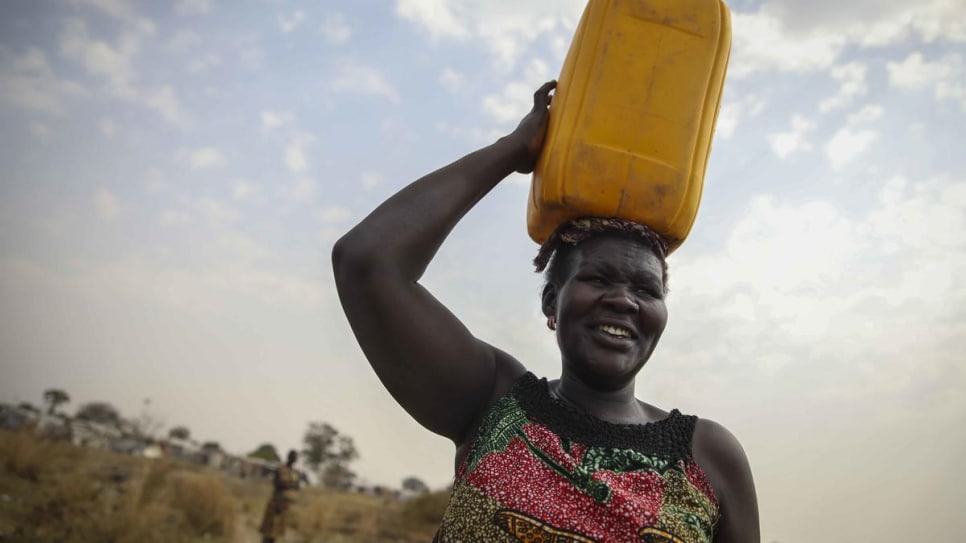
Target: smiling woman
578,458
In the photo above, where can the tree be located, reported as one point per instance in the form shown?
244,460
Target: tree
179,432
265,451
100,412
414,485
211,446
329,453
55,397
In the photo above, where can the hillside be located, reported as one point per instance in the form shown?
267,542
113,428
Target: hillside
54,491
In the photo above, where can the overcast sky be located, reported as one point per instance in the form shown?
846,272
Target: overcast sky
174,175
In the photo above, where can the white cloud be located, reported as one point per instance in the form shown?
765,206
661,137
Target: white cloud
848,143
507,30
370,180
451,79
26,81
121,10
170,217
356,78
750,105
294,158
40,131
165,103
784,144
192,7
516,98
243,189
334,214
434,15
202,63
217,213
851,77
108,128
106,204
761,43
335,28
945,76
304,190
851,140
115,64
274,119
207,157
290,22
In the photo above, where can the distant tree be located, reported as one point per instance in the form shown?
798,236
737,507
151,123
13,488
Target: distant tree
211,446
337,476
265,451
329,453
27,406
414,485
100,412
179,432
55,397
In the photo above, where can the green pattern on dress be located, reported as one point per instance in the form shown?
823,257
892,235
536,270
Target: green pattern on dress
502,423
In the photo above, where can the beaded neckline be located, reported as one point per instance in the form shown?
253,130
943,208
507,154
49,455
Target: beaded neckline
669,437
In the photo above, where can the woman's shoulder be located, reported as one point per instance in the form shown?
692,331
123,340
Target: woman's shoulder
724,462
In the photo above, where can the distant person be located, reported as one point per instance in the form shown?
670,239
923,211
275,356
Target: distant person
575,459
286,482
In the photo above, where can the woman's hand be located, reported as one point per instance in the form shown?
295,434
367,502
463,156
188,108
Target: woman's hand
532,130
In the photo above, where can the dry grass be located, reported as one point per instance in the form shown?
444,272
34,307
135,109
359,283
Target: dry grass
55,492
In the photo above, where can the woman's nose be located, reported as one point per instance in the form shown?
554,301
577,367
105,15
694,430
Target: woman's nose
620,300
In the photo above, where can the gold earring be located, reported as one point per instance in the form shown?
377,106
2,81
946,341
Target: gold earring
552,322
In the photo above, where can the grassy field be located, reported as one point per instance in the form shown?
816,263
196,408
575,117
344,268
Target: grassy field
56,492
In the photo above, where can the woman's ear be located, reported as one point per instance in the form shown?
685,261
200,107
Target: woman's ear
549,300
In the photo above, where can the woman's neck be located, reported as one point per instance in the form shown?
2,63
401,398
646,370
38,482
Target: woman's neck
618,406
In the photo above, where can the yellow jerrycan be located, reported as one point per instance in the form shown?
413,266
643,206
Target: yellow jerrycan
633,115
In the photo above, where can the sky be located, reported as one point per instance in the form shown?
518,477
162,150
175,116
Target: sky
174,175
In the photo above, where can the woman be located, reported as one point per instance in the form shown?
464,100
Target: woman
578,458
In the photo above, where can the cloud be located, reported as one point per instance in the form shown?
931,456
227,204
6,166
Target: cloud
732,111
216,212
334,214
170,217
192,7
26,81
274,119
107,126
164,102
945,76
451,79
115,64
851,140
106,204
335,28
356,78
121,10
370,180
304,190
851,77
39,131
516,98
288,23
243,189
294,157
784,144
436,16
207,157
506,30
762,43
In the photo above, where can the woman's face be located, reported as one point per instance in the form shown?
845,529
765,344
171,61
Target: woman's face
610,311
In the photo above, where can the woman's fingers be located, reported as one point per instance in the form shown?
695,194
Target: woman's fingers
542,97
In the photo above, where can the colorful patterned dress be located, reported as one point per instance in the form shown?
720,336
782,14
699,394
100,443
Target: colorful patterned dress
541,471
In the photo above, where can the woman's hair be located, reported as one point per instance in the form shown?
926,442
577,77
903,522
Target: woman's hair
554,256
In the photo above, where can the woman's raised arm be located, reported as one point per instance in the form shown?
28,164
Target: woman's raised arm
432,365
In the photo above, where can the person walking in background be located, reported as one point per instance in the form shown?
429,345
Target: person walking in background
285,483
